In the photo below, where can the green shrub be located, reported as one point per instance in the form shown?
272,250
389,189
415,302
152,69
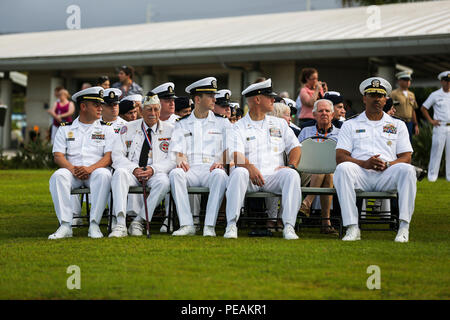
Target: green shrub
33,155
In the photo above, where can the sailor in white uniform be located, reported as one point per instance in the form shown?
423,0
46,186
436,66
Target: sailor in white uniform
82,150
199,143
166,94
257,145
439,100
141,155
373,153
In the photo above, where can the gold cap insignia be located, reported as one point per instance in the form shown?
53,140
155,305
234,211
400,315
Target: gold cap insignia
376,83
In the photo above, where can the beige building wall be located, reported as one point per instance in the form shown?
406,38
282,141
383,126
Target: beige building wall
38,97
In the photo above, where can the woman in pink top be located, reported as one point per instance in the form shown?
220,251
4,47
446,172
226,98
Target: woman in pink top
61,111
312,90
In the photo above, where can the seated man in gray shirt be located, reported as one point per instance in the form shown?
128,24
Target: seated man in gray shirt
323,113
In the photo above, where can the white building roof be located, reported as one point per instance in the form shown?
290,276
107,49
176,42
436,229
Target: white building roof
422,27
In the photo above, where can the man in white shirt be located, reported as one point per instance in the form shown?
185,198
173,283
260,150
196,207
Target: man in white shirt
110,112
199,143
166,95
82,150
141,156
257,145
373,153
439,100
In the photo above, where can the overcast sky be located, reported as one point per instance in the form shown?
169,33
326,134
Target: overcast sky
43,15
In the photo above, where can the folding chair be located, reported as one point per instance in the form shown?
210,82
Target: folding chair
253,217
140,190
318,157
365,217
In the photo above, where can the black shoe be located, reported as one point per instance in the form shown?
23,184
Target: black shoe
420,173
260,233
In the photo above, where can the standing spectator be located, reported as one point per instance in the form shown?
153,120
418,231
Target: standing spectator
103,82
312,90
126,83
407,104
439,100
61,111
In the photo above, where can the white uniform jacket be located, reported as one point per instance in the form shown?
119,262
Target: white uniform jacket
263,143
117,124
203,141
364,139
84,147
128,147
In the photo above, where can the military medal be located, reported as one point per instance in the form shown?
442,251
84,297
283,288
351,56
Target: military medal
389,143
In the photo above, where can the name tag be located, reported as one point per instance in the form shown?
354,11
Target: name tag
275,132
98,136
360,130
214,132
251,138
188,134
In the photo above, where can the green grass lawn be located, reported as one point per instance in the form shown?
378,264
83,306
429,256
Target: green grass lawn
165,267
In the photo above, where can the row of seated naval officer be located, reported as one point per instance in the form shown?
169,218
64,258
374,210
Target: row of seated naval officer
255,144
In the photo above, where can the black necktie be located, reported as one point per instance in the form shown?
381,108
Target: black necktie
143,158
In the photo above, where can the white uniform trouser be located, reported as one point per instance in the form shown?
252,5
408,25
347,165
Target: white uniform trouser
61,183
440,140
350,176
272,207
198,176
134,203
194,200
122,180
284,181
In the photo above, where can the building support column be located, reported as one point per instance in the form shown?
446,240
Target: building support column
6,99
147,83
